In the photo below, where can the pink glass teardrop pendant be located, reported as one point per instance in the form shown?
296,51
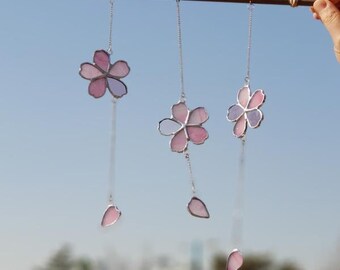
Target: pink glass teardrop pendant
197,208
235,260
111,215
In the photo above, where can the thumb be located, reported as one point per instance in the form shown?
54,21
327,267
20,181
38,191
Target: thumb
330,16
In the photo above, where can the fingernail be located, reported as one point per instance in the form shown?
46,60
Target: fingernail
320,5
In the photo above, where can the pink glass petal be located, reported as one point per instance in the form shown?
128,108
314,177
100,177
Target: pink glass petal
197,135
111,215
243,96
97,87
198,116
235,260
89,71
102,59
168,127
254,118
234,112
119,69
179,142
197,208
180,112
240,127
257,99
116,87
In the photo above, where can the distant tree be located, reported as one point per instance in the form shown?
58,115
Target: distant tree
63,260
289,266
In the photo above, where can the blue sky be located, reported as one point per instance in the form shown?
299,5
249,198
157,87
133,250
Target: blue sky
54,137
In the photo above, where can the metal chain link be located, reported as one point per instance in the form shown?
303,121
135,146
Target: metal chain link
250,32
180,51
109,50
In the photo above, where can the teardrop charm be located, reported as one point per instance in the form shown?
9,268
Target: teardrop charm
111,215
197,208
235,260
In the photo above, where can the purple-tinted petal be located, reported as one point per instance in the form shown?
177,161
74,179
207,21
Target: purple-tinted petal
111,215
197,208
168,127
234,112
116,87
243,96
240,127
235,260
197,135
198,116
257,99
89,71
120,69
97,87
102,59
179,142
180,112
254,118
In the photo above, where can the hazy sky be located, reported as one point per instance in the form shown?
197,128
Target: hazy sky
54,137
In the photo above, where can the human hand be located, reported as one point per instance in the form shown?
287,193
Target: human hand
328,12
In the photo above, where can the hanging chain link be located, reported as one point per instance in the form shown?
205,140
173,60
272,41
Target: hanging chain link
192,179
180,51
250,32
109,50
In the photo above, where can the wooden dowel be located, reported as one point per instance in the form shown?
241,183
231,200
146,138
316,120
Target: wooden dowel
268,2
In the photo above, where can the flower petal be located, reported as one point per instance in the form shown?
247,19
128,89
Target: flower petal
197,208
102,59
256,99
180,112
198,116
116,87
88,71
254,118
235,112
168,126
111,215
243,96
240,127
179,142
197,134
235,260
120,69
97,87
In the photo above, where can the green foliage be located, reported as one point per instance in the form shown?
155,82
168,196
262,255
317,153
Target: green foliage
63,260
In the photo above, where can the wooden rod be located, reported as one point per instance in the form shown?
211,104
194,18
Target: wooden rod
293,3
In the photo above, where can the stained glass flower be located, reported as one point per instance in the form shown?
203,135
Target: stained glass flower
246,111
104,75
184,126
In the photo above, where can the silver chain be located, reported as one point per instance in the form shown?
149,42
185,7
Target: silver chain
180,51
112,151
237,225
250,32
109,50
187,157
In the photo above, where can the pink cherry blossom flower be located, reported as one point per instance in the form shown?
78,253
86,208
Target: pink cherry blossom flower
246,111
104,75
184,125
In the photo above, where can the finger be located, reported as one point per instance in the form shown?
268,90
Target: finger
330,16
